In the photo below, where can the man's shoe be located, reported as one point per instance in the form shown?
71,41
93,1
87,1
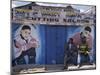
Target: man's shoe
79,65
65,67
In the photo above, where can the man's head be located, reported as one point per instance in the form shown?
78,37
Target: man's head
25,31
83,40
71,40
86,32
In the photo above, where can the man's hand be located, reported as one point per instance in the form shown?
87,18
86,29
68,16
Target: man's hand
87,52
34,43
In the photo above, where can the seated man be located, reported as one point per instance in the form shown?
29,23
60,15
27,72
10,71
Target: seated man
71,53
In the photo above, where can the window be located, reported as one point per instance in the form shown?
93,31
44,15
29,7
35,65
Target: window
39,18
57,20
30,7
35,13
33,18
51,20
44,19
69,20
47,19
64,20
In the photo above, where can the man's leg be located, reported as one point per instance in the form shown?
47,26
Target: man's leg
26,59
91,58
31,55
14,62
88,59
74,59
65,62
85,59
79,60
31,59
20,60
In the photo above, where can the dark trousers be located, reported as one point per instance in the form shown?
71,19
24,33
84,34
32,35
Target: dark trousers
31,57
70,59
84,58
19,60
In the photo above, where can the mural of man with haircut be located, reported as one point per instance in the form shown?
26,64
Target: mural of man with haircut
86,33
24,45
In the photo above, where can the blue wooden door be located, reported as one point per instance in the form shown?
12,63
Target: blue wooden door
55,40
61,37
50,45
